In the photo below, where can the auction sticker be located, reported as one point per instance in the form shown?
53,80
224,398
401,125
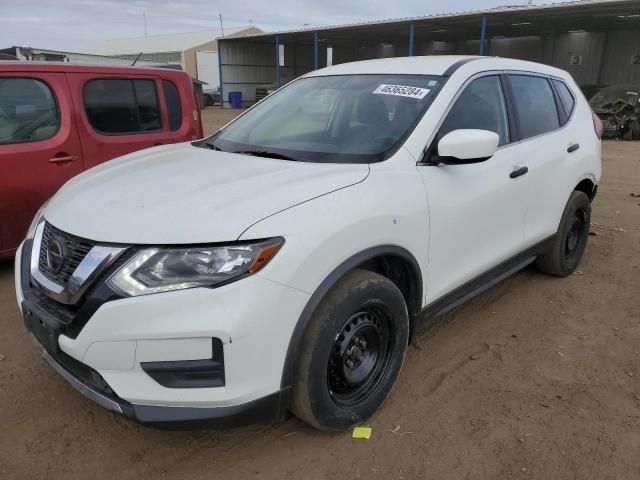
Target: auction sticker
402,91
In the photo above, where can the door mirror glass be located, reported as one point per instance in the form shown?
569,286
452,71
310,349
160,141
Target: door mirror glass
467,146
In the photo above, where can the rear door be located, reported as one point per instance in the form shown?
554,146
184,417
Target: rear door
39,147
551,147
118,114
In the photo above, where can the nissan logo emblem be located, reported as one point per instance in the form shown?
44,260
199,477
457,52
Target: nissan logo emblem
55,255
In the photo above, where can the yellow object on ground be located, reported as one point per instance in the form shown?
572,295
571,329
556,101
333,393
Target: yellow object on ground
362,432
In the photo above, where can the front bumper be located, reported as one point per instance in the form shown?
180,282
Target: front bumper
269,409
105,357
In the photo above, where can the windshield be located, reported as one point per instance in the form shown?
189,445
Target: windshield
616,98
337,119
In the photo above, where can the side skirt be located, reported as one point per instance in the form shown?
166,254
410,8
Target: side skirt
483,282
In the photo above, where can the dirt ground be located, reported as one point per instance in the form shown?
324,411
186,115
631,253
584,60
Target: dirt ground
537,378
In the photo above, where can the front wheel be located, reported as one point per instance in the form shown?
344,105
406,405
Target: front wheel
352,352
571,240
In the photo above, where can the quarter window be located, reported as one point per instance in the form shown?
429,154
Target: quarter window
535,104
480,106
566,97
28,111
174,107
121,106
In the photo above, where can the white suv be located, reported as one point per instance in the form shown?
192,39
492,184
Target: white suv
283,263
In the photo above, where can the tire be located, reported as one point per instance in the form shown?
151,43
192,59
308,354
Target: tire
352,352
570,242
635,130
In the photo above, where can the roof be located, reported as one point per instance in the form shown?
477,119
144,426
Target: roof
65,67
526,8
433,65
511,21
170,42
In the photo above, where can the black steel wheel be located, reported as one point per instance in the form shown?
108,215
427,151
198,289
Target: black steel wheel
352,352
571,240
576,237
360,355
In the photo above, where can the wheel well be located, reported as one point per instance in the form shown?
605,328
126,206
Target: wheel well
390,261
403,274
587,187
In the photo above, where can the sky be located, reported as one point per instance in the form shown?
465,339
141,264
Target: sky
74,25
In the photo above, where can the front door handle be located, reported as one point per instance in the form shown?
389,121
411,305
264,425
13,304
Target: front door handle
573,148
63,158
518,172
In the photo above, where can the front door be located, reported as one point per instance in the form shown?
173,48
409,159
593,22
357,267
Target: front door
39,148
476,211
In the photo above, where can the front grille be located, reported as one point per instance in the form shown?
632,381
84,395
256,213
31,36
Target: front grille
76,249
64,314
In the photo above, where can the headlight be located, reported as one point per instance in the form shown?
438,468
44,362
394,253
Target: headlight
154,270
36,221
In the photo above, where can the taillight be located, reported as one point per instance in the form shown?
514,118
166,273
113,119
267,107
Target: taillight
597,125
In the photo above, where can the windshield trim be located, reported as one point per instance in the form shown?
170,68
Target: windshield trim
330,157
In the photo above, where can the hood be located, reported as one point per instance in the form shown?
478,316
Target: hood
181,194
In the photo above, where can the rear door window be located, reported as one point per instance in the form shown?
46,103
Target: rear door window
28,111
122,106
174,106
535,104
566,97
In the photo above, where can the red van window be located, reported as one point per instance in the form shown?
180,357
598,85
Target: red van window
121,106
174,107
28,111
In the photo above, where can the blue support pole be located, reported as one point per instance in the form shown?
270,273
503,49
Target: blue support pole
412,31
483,34
315,50
220,73
277,61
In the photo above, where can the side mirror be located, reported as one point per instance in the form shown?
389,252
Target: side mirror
467,146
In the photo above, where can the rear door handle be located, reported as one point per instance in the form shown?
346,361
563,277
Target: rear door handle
573,148
518,172
63,159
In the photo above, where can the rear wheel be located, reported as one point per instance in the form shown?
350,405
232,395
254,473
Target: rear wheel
635,130
571,240
352,352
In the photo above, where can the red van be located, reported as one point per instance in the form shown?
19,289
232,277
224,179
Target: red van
57,120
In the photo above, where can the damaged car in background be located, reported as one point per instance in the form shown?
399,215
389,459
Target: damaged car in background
619,109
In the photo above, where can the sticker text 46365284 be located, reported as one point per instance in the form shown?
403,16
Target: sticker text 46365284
402,91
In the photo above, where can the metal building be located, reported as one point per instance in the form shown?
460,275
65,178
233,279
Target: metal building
196,52
33,54
597,41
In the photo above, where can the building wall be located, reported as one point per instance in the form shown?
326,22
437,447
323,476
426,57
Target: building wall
79,58
190,64
588,47
246,66
168,57
593,58
622,50
523,48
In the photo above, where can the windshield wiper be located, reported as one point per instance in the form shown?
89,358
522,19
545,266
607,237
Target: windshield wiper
265,153
213,146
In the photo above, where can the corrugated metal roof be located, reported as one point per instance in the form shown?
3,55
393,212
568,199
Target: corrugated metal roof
449,15
171,42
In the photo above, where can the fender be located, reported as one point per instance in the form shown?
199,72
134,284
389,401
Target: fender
293,351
